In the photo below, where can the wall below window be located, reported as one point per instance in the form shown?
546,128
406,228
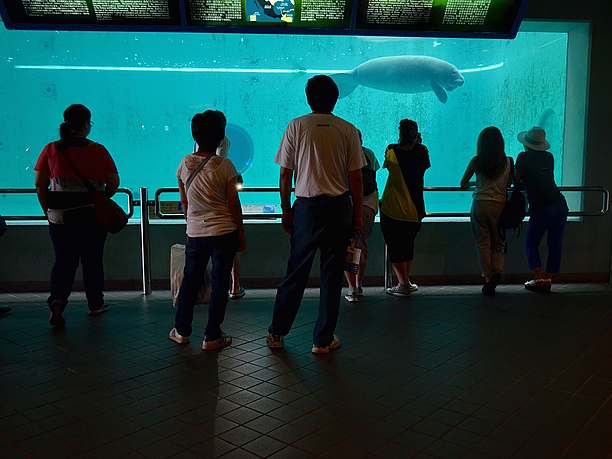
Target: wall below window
445,254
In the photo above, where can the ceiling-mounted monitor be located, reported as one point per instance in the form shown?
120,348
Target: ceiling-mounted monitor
274,15
474,18
441,17
70,13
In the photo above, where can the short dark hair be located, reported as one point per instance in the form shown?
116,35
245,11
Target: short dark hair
322,93
208,130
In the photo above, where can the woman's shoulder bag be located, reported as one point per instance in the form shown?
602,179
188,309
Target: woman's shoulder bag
109,214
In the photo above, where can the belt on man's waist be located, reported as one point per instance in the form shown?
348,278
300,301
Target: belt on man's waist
325,198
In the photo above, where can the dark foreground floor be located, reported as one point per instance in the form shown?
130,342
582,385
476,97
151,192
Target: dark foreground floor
445,373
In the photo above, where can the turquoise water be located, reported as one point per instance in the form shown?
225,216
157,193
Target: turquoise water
143,89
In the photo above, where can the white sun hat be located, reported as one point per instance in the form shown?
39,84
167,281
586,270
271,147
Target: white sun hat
534,138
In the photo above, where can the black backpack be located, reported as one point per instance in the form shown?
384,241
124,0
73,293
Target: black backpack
369,178
515,209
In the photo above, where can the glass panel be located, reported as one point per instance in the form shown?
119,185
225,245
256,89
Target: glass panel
143,89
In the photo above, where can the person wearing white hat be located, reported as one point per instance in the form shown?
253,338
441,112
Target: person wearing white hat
547,206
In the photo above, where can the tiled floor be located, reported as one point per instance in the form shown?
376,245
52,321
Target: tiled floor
446,373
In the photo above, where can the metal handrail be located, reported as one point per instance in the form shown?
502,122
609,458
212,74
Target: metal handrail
251,216
604,209
145,204
130,210
388,271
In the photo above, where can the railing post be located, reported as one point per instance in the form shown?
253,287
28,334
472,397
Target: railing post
145,243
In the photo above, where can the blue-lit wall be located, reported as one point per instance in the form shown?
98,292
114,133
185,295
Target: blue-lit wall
143,89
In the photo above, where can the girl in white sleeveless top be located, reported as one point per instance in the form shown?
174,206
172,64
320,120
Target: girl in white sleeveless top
493,171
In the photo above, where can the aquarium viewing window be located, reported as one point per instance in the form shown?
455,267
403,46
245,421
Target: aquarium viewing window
143,88
483,18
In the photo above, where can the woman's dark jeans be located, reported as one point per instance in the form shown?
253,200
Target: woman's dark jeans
199,250
82,240
550,219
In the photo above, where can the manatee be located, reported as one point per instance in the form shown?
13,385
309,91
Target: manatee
403,74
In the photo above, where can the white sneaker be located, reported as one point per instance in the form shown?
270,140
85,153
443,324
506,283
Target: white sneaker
178,339
237,295
335,344
402,290
352,295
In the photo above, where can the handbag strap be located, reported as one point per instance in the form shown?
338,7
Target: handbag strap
196,172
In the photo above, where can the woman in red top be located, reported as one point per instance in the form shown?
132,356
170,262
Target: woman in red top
66,173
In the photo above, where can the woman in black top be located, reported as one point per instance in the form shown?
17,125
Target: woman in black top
403,207
548,207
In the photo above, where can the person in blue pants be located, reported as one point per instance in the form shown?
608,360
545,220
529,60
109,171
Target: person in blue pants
547,206
215,230
323,153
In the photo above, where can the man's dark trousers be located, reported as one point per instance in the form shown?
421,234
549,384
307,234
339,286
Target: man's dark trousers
321,223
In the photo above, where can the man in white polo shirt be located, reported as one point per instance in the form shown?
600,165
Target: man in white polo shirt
324,154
